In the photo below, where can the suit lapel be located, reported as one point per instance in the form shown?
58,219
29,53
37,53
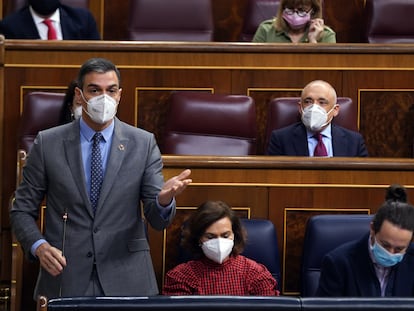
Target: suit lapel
116,157
364,270
300,141
73,155
69,31
29,25
339,144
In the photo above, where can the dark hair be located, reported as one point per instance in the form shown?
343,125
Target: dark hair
400,214
396,192
205,215
66,114
100,65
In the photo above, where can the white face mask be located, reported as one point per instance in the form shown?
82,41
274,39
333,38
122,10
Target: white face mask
101,108
77,112
314,117
217,249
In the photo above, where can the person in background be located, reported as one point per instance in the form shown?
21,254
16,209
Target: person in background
396,192
381,263
68,23
315,135
72,108
297,21
215,237
101,178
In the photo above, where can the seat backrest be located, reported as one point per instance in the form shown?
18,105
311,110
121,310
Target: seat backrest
389,21
262,245
200,123
256,12
15,5
323,234
284,111
41,110
172,20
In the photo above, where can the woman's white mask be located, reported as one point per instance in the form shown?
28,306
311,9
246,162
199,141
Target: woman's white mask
217,249
101,108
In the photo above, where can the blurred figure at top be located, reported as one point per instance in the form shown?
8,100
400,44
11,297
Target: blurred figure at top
49,20
297,21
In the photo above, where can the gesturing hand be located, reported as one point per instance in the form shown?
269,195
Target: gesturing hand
315,30
174,186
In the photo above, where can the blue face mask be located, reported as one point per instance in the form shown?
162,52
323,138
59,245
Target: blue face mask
384,257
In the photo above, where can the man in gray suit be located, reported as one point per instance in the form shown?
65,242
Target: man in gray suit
88,248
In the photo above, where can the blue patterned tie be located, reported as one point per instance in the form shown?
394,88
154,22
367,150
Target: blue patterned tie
96,171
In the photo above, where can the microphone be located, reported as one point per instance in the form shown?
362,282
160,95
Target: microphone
65,220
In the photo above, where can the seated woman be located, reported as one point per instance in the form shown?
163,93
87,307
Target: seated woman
215,237
297,21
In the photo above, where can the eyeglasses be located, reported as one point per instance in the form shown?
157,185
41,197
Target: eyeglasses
300,12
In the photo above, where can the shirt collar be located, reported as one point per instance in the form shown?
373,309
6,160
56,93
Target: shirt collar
55,17
88,133
327,132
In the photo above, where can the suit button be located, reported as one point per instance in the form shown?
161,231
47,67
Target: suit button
89,254
95,230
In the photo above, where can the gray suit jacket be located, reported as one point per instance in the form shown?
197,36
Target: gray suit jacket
115,238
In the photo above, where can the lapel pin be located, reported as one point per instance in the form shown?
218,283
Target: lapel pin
121,147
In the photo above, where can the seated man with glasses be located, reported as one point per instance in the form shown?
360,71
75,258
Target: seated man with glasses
297,21
316,135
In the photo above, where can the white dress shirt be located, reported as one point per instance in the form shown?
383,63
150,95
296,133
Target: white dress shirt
42,28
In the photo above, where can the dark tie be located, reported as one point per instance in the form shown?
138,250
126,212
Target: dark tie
96,171
51,32
320,149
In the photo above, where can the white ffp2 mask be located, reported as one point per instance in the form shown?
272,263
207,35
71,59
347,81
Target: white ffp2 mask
217,249
101,108
314,117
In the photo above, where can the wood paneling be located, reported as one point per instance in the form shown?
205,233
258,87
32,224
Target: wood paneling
287,191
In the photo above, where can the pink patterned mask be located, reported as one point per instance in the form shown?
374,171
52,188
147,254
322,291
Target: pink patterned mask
295,21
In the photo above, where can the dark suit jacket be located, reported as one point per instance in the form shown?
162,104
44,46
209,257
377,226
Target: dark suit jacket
114,238
292,141
348,271
77,24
